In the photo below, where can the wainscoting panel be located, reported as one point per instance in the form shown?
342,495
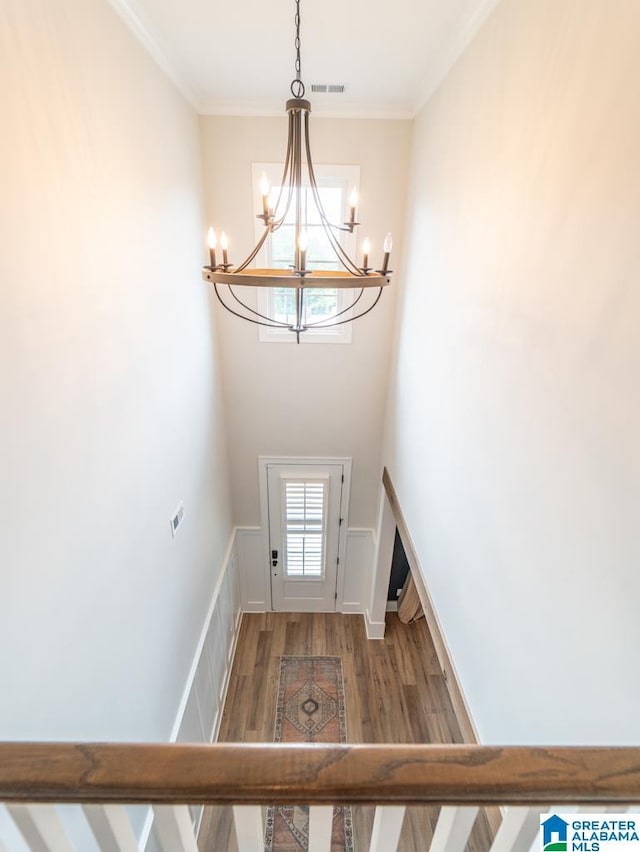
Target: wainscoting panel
206,697
252,569
191,730
358,571
207,684
217,654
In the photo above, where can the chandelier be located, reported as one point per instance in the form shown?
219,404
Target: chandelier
298,175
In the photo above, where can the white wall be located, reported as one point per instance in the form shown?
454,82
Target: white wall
312,400
111,407
513,431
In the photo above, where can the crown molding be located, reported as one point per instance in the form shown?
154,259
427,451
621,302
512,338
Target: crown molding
271,109
450,57
322,108
140,30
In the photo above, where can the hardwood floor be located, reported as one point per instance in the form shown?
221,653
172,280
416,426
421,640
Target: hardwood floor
394,693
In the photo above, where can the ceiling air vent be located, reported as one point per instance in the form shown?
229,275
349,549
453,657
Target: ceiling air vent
330,88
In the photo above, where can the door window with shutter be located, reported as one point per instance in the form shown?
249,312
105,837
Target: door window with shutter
304,517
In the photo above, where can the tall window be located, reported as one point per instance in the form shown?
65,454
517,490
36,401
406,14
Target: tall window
334,184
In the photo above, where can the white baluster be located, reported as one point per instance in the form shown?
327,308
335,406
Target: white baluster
41,827
453,829
517,831
249,828
111,828
387,825
7,828
320,824
174,829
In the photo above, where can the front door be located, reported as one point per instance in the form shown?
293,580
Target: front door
305,503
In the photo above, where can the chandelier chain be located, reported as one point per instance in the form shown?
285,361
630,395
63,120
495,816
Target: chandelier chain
297,86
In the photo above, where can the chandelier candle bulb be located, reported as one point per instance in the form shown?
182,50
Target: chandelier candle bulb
213,242
388,245
303,244
224,245
366,248
353,203
264,191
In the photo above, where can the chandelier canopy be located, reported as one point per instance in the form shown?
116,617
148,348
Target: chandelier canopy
298,175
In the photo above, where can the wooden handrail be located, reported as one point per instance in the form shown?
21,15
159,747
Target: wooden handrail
315,774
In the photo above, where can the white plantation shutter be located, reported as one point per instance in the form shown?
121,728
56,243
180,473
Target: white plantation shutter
305,521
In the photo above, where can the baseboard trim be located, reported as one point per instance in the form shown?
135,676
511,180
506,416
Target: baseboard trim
351,608
375,629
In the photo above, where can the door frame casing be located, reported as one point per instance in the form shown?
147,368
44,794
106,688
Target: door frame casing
346,463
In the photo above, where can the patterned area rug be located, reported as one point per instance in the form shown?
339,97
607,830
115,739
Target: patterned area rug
310,709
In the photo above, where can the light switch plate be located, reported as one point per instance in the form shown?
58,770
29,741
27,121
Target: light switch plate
176,520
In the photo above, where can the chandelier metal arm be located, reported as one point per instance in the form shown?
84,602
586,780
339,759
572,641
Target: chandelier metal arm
339,314
292,179
255,250
271,324
297,176
357,316
297,180
343,257
346,228
276,224
340,253
287,180
256,313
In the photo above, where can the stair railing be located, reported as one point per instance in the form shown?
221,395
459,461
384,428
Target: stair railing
523,781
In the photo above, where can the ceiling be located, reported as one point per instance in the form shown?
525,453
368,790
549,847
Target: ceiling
237,58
